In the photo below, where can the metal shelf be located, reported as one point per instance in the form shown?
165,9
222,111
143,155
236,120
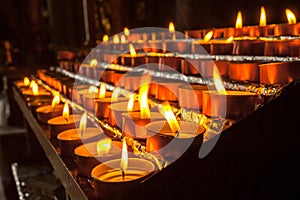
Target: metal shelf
73,190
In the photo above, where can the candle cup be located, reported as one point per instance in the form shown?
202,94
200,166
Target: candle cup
243,71
111,58
68,87
60,124
248,47
117,109
89,100
167,90
200,47
107,76
179,46
75,91
34,103
279,73
261,31
44,113
168,63
133,61
134,125
130,81
287,29
221,48
87,157
190,96
71,138
282,48
108,178
101,106
233,105
207,66
163,141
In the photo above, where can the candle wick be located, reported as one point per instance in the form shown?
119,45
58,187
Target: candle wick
123,175
66,119
176,133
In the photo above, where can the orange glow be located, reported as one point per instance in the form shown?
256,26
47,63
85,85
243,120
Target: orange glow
132,50
143,96
123,39
208,36
104,146
218,81
116,39
239,20
124,159
105,38
82,125
126,31
102,90
263,18
93,63
229,40
93,89
290,16
66,111
55,101
171,27
35,89
115,94
167,112
130,103
26,81
32,83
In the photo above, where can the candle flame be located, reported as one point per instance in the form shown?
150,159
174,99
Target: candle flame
126,31
104,146
123,39
124,159
130,103
105,38
115,94
218,81
82,125
35,89
93,63
26,81
171,27
208,36
32,83
116,39
229,40
263,18
93,89
239,20
143,96
102,90
66,111
290,16
55,101
132,50
167,112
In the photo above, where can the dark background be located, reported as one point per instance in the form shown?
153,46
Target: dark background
37,27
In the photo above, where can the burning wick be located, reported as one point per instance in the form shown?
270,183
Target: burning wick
124,159
166,110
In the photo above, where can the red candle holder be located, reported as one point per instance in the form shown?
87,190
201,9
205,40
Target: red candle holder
190,96
282,48
248,47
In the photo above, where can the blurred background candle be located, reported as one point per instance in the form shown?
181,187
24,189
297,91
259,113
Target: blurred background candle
291,28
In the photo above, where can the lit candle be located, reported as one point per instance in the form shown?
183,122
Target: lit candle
62,123
120,176
44,113
170,138
94,94
291,28
227,104
243,71
133,59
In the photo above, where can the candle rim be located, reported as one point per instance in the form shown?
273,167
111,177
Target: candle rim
116,145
